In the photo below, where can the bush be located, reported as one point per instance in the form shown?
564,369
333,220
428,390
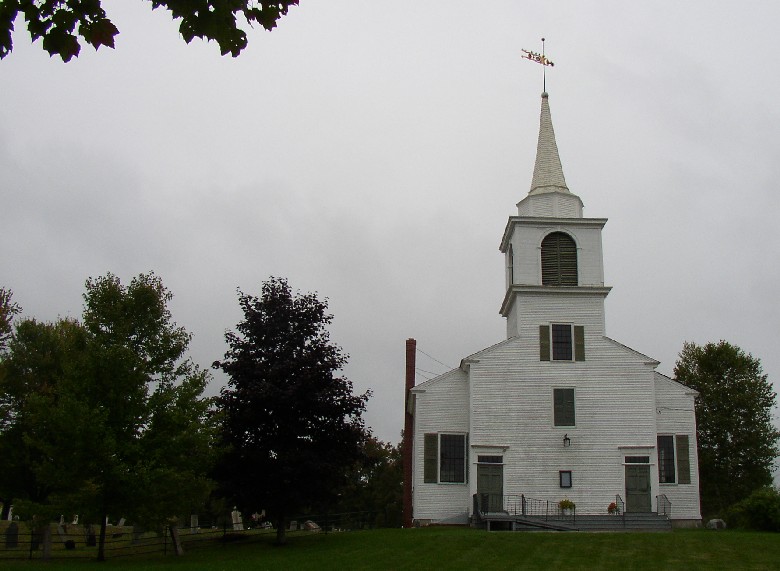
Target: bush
759,511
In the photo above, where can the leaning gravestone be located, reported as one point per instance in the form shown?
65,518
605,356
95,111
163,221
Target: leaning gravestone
12,535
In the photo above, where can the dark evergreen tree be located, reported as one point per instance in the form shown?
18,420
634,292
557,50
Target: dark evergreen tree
736,437
291,426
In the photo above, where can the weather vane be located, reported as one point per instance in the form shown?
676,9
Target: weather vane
542,59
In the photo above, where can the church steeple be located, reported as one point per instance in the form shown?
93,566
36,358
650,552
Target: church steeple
552,252
549,196
548,172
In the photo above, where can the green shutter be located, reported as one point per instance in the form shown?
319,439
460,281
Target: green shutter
468,464
579,343
431,458
683,460
544,342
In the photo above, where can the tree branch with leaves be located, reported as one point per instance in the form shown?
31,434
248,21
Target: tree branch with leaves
63,24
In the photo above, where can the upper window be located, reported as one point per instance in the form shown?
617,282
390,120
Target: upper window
444,458
559,260
561,342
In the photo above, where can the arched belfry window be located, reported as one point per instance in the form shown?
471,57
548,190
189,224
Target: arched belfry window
559,260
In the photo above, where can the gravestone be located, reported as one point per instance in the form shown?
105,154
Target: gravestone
294,525
91,538
716,524
238,523
75,519
12,535
35,540
309,525
194,523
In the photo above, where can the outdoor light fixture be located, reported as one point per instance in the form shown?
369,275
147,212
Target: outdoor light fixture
566,441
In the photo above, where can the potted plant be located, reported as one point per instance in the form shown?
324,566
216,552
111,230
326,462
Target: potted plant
566,506
612,509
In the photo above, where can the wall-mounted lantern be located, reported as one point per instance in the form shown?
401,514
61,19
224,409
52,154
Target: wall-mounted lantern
566,441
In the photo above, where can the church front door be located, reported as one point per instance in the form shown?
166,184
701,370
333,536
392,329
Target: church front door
490,487
638,488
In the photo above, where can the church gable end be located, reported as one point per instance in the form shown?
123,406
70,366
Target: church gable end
557,410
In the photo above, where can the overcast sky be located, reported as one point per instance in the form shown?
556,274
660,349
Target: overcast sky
372,152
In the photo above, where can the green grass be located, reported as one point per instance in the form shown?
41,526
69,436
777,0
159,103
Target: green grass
461,548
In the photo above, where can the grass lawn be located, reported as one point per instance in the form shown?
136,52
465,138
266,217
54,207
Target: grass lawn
462,548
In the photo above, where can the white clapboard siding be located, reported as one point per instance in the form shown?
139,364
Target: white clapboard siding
511,406
674,415
441,406
526,240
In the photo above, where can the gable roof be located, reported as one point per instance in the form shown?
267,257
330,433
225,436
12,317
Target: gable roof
675,382
645,358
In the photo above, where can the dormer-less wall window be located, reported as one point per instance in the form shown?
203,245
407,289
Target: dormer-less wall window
559,260
561,342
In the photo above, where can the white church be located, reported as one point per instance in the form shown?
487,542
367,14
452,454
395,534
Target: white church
558,410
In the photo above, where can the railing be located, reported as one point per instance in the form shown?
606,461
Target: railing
520,505
620,508
663,505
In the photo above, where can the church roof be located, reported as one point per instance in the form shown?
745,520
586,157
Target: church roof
548,172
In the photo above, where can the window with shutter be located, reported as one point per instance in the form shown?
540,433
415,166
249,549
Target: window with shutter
563,407
559,260
566,343
444,458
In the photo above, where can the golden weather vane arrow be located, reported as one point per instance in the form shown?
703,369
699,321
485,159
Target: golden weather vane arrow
542,59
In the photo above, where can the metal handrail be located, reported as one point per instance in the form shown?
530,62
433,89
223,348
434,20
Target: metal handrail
663,505
621,508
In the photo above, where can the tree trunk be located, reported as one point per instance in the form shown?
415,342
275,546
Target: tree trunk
281,538
102,540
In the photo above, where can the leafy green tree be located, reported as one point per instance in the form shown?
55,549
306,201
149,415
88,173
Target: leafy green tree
112,415
39,357
291,426
375,484
737,440
8,309
62,23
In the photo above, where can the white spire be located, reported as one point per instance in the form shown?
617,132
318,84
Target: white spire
548,173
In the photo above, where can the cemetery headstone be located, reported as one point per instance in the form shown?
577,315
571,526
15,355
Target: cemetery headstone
12,535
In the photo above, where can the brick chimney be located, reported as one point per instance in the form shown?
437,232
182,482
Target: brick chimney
411,357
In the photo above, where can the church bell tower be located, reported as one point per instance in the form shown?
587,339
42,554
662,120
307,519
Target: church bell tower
554,263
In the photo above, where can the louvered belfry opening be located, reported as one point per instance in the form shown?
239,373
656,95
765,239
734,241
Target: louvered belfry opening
559,260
